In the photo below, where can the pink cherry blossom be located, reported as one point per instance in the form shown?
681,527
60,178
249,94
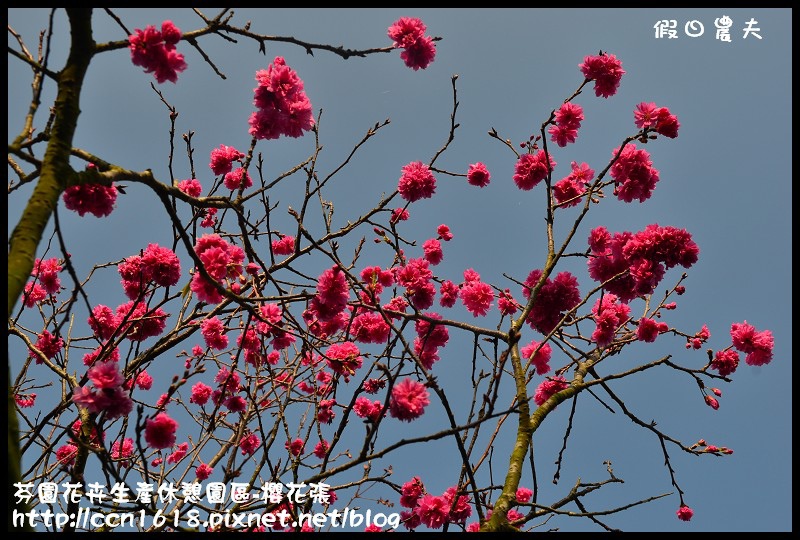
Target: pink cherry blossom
159,432
606,71
478,175
409,399
685,513
548,387
203,471
94,199
155,51
417,182
282,105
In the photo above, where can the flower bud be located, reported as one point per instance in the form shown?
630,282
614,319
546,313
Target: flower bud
711,402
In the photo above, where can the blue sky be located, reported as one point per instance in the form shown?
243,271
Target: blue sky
726,178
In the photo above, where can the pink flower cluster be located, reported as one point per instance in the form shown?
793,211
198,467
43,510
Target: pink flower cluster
370,410
203,471
478,175
430,336
608,316
66,454
416,182
333,293
416,277
548,387
569,189
136,321
48,344
699,338
606,71
344,358
284,245
283,107
409,399
476,295
213,331
643,256
430,510
568,120
237,178
756,345
25,401
408,33
122,451
159,432
222,159
178,454
221,260
191,186
647,115
295,447
157,264
155,51
685,513
249,444
370,327
375,279
633,173
107,394
555,297
506,303
45,281
531,169
94,199
649,329
539,359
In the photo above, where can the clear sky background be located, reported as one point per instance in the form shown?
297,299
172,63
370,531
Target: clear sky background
726,179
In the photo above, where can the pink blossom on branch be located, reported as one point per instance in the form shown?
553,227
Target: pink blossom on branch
66,454
478,175
548,387
283,107
568,120
757,346
685,513
633,173
555,297
159,432
48,344
531,169
203,471
725,362
647,115
249,444
649,329
417,182
408,33
155,51
191,187
539,359
237,178
46,273
409,399
569,189
641,258
94,199
477,297
344,358
283,246
433,251
222,159
609,315
606,72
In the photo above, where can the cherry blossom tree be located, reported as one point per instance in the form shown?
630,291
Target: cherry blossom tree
296,347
